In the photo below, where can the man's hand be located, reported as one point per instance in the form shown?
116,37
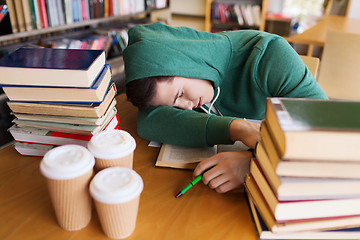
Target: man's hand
244,131
228,170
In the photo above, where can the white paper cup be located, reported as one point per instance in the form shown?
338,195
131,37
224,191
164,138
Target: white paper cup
112,148
116,192
68,170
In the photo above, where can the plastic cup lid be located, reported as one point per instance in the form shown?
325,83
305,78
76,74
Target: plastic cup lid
111,144
116,185
66,162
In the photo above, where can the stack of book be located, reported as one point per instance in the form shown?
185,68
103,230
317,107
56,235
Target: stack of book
58,96
305,180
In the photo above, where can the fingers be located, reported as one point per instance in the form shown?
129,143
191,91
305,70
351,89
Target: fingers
226,171
206,164
224,183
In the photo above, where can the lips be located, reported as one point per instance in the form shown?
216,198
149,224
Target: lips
199,104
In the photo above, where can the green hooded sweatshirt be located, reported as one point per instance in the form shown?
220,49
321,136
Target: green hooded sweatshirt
248,66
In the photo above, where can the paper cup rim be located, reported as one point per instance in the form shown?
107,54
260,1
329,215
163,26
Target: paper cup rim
112,153
116,197
55,173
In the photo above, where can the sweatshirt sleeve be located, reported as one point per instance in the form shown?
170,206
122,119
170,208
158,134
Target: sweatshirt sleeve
183,127
282,73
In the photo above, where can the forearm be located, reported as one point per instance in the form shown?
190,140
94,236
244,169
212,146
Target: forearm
183,127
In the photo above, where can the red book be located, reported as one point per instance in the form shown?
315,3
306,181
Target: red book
111,8
43,13
31,141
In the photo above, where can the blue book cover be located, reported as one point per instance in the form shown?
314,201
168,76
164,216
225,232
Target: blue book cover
94,94
52,67
51,58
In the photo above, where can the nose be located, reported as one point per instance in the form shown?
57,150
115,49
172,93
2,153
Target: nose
185,104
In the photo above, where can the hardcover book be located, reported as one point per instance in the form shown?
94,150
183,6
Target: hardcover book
267,154
303,188
66,119
295,228
312,129
73,110
47,137
295,231
52,67
306,210
32,149
93,94
111,123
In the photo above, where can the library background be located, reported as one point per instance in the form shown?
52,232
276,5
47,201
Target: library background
103,24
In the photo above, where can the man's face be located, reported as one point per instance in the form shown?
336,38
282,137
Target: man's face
185,93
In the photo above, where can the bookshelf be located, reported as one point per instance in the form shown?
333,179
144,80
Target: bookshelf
12,39
223,15
140,9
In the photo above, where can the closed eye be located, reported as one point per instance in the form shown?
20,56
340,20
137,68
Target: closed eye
179,95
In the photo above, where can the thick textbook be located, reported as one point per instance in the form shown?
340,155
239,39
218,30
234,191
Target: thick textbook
188,157
94,94
306,210
111,123
52,67
47,137
303,188
66,119
92,110
299,231
293,227
32,149
267,154
313,129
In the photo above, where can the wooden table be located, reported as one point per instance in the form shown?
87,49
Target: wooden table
316,34
26,211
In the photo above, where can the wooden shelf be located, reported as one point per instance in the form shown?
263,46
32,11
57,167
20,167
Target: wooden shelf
210,23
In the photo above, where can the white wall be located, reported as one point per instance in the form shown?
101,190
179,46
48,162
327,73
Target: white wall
354,11
188,7
275,6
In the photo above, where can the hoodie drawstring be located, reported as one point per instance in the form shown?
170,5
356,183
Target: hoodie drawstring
212,102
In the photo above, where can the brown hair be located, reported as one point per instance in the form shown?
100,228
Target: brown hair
140,92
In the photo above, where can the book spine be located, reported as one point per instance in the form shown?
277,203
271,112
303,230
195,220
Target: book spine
33,14
68,11
60,12
39,22
43,13
106,8
83,10
27,15
92,9
12,15
20,15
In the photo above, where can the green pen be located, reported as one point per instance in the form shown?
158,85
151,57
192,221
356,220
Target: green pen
193,182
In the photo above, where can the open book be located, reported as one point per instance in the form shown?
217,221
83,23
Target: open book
188,157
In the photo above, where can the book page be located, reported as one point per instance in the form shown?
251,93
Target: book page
188,157
187,154
183,157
